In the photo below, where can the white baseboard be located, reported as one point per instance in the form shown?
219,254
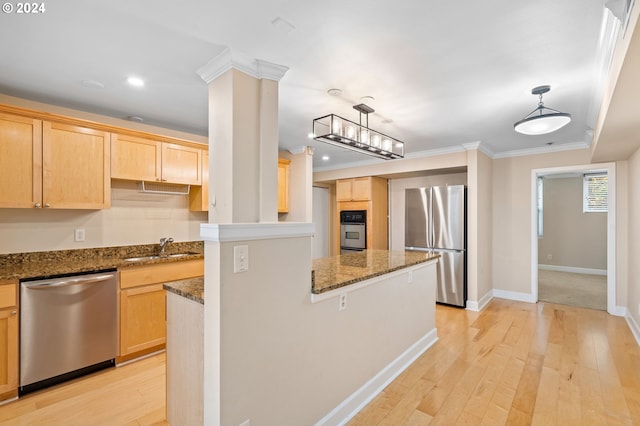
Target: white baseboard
481,304
619,311
633,325
573,269
361,397
514,295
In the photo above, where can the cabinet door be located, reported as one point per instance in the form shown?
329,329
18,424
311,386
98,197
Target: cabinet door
344,190
199,195
76,167
20,161
143,322
181,164
134,158
361,189
8,351
283,185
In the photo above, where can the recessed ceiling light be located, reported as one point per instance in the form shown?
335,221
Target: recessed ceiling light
135,81
335,92
311,135
387,121
366,99
94,84
135,118
325,157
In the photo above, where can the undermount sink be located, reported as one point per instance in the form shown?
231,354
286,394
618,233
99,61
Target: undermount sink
156,257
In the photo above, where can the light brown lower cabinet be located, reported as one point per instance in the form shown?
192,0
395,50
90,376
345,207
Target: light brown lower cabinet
143,323
143,319
8,339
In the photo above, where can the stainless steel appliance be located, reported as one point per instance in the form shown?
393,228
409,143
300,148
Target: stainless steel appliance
353,231
68,327
435,220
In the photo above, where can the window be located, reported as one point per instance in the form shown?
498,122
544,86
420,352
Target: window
540,186
595,191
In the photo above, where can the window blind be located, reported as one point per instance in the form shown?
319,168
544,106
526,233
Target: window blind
595,191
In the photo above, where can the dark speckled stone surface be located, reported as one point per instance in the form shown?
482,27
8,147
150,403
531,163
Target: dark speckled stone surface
192,288
50,263
330,273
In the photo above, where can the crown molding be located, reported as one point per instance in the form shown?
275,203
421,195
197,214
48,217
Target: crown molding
542,150
230,58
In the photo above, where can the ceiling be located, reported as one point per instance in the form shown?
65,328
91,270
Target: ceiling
442,73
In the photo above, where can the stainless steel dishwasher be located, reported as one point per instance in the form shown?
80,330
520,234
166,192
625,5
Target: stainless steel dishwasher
68,327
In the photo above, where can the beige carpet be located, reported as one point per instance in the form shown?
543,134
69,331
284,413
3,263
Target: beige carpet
567,288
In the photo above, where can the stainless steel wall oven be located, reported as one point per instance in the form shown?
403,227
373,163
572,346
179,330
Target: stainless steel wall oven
353,231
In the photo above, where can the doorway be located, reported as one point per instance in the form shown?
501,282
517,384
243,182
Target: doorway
577,276
572,239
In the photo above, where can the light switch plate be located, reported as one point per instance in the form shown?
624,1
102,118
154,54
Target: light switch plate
240,259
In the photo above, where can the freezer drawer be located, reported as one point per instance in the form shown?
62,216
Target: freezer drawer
452,285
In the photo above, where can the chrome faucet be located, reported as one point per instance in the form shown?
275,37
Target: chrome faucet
164,242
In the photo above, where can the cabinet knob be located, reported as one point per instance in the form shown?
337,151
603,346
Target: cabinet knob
46,205
37,205
163,180
14,312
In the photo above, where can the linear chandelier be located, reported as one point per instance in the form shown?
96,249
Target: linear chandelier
539,122
344,133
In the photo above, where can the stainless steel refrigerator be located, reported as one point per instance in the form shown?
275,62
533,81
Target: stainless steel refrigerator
435,220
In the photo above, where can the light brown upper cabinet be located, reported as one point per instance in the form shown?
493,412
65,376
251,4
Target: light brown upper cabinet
354,189
46,164
199,195
283,185
141,159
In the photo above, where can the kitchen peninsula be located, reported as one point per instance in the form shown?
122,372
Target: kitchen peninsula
390,319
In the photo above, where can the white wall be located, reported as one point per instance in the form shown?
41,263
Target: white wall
133,218
512,215
633,294
286,361
321,220
572,238
397,203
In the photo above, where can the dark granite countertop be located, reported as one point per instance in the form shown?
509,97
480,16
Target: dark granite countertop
60,262
192,288
330,273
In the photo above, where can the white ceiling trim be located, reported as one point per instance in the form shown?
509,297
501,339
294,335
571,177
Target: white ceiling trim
542,150
224,232
230,58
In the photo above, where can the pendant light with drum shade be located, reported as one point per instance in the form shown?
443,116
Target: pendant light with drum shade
542,120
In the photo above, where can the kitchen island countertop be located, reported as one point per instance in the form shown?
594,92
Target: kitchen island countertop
192,288
330,273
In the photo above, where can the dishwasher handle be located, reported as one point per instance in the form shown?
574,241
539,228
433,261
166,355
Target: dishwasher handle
67,282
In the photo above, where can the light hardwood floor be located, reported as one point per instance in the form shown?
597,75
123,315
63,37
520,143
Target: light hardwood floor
513,363
518,364
133,394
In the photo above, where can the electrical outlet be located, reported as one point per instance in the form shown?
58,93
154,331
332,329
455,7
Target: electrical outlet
410,277
549,257
78,235
342,301
240,259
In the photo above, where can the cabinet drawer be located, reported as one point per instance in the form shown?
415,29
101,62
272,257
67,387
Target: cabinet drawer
160,273
8,295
